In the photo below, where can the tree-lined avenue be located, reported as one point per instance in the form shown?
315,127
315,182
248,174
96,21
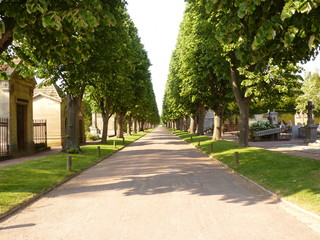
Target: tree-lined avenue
157,188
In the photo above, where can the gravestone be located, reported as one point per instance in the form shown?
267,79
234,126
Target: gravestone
272,117
295,129
300,117
310,128
94,128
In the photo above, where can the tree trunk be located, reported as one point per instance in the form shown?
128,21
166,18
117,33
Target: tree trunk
5,41
217,131
218,121
243,104
217,127
185,127
141,126
105,119
134,125
129,125
119,125
202,112
178,123
192,128
72,128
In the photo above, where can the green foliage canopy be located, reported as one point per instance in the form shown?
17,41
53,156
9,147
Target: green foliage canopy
310,89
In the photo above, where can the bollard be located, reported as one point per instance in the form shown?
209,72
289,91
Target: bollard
198,142
123,141
98,151
236,159
114,143
191,139
69,163
211,147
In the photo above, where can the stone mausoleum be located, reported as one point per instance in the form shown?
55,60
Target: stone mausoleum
49,103
16,106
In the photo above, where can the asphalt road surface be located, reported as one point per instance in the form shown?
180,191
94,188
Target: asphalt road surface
157,188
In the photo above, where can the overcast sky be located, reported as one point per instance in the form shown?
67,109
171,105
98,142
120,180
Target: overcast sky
158,26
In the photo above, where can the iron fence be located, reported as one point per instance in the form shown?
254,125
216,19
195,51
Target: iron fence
40,132
4,137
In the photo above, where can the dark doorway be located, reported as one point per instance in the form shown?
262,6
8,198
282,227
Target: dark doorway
21,126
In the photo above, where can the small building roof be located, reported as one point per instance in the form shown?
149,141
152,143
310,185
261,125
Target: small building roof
52,91
14,75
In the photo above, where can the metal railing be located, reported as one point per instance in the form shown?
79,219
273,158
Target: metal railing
4,136
40,132
266,132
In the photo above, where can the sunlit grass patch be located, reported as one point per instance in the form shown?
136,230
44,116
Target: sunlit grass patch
294,178
23,181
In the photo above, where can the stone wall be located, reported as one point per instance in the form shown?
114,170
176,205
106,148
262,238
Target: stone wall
21,93
51,110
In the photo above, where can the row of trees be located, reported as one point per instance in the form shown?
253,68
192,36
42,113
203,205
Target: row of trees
239,50
90,49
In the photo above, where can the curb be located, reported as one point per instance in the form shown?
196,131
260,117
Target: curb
296,207
38,196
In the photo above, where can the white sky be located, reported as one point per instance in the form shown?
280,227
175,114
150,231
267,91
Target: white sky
158,26
313,66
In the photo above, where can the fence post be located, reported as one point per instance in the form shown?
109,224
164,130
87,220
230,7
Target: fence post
114,144
123,141
69,163
198,142
236,159
191,139
98,151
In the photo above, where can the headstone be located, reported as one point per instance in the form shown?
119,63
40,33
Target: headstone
282,126
311,128
272,117
295,130
301,118
258,117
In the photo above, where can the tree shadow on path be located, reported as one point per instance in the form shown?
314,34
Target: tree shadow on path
143,172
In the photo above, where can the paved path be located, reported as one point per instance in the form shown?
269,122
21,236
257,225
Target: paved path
157,188
53,150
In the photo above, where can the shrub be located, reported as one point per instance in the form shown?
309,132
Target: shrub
92,137
73,150
259,126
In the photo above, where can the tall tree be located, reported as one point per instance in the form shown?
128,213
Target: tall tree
310,89
49,29
112,64
262,45
200,69
53,38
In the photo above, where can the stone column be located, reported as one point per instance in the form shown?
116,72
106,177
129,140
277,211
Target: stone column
94,128
311,128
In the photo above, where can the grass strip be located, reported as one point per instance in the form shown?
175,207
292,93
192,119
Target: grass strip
23,181
293,178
